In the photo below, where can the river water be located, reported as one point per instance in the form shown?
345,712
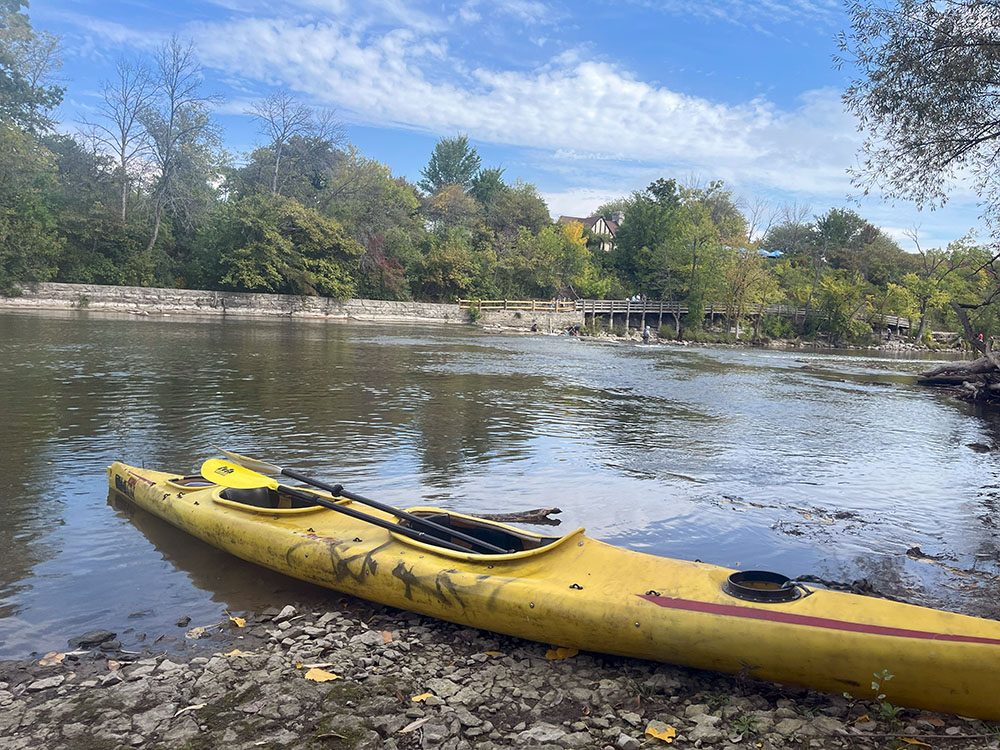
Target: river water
815,463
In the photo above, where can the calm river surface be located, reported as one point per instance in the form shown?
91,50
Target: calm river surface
791,461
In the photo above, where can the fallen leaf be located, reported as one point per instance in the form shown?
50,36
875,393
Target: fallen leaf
387,636
298,665
493,653
422,697
234,652
195,707
556,654
198,632
52,657
321,675
863,719
911,741
114,665
667,735
414,725
934,721
237,621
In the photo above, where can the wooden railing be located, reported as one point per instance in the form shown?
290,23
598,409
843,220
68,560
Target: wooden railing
533,305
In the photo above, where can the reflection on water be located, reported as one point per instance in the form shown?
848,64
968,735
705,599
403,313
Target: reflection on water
809,463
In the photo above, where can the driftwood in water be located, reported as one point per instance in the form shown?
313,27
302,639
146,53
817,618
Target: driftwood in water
978,380
538,515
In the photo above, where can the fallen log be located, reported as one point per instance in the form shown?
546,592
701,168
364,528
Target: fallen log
978,380
537,516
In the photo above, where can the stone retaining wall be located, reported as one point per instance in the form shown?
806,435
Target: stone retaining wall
52,296
136,299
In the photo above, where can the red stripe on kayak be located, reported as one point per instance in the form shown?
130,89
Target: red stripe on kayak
732,610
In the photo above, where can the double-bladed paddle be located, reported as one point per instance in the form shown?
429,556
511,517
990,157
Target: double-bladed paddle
235,476
338,490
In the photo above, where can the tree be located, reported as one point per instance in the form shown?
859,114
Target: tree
271,243
120,131
453,162
926,93
178,125
282,118
28,59
29,241
487,185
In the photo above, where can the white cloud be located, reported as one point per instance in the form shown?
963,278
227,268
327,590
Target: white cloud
584,109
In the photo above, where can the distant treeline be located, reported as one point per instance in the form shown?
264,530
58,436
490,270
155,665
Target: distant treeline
144,193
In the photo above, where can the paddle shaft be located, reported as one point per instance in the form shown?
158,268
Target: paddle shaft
389,525
339,491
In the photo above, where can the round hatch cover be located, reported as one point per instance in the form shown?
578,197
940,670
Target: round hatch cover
761,586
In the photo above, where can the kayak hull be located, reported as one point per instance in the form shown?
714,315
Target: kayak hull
575,591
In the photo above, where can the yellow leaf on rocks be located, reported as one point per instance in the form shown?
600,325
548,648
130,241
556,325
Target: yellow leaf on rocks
114,665
422,697
298,665
52,657
667,735
237,621
321,675
387,636
193,633
493,653
911,741
863,719
555,654
234,652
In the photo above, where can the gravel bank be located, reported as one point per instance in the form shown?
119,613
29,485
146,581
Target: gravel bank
395,680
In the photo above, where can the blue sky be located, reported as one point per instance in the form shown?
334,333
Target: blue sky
589,100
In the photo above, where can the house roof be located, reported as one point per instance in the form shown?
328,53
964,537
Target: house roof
590,221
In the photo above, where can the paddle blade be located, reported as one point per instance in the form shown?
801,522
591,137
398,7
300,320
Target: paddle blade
251,463
233,475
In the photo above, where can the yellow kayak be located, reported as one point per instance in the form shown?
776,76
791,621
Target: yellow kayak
575,591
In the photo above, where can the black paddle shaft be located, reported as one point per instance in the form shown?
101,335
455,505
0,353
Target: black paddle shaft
412,533
337,490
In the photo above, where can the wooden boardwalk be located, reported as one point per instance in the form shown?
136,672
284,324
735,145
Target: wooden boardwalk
653,309
659,308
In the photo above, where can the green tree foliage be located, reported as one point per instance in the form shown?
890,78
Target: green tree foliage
453,162
487,185
29,242
382,214
927,74
448,267
27,60
275,244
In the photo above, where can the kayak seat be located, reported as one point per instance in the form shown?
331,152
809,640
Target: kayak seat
483,530
258,497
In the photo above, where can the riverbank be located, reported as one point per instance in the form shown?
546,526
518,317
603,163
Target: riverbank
348,677
896,344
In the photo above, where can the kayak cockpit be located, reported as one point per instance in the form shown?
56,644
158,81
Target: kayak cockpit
263,498
509,538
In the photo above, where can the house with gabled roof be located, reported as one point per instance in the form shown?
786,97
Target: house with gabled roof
604,229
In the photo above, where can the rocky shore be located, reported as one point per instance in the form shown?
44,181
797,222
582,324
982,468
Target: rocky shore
350,678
